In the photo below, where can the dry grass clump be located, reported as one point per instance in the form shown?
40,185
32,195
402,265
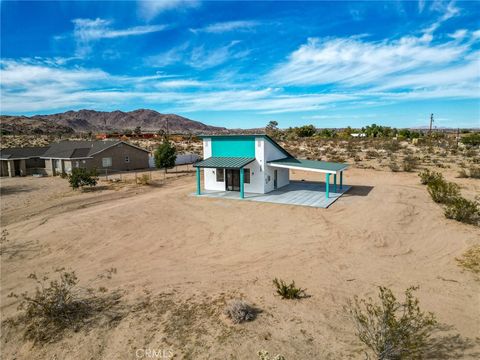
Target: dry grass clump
61,305
264,355
470,260
289,291
239,311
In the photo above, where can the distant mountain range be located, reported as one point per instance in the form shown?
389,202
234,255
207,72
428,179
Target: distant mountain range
100,121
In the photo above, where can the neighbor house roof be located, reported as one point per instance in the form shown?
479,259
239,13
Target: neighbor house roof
22,153
224,162
80,149
264,136
320,166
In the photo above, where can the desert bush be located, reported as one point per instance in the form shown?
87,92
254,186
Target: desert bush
289,291
82,177
463,210
409,163
58,306
428,176
474,172
442,191
143,180
462,173
392,329
239,311
371,154
470,260
471,139
394,166
264,355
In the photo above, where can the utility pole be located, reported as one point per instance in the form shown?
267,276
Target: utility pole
431,123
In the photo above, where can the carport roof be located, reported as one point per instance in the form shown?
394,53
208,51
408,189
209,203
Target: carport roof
224,162
313,165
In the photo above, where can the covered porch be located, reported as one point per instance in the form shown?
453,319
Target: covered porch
302,193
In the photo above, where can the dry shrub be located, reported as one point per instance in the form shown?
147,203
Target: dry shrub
264,355
463,210
289,291
442,191
143,180
392,329
428,176
474,172
394,166
409,163
239,311
61,305
470,260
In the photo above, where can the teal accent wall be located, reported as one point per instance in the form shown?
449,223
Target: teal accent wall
233,146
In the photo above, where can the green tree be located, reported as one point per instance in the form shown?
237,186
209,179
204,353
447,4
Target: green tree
138,131
82,177
305,131
165,155
272,128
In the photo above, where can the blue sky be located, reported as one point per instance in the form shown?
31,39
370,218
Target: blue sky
242,64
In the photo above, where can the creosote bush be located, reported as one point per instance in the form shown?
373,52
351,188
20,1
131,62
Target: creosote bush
392,329
239,311
442,191
60,305
463,210
289,291
428,176
470,260
82,177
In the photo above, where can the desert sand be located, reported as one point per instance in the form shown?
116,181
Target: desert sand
178,258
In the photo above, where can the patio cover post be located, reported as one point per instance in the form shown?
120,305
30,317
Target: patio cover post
335,183
198,181
341,179
242,195
327,185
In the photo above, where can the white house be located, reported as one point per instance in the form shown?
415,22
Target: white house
253,164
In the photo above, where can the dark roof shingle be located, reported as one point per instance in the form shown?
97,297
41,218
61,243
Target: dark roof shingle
22,153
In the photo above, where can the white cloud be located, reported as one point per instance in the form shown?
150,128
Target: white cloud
352,63
198,57
149,9
86,31
227,26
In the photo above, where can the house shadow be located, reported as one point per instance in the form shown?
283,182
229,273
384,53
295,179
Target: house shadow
358,190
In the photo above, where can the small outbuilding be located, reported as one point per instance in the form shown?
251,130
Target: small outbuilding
256,164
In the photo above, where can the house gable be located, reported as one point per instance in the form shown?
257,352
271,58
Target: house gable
233,146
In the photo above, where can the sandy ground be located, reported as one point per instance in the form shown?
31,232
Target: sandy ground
179,258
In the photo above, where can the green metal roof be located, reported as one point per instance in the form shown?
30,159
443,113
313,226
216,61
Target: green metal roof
224,162
310,164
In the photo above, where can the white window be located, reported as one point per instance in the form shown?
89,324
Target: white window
127,159
106,162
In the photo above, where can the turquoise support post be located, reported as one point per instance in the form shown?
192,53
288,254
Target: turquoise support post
341,180
327,186
242,195
198,181
335,183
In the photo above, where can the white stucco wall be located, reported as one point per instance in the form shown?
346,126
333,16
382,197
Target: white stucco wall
261,175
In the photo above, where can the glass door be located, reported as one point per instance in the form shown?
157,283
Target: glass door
233,180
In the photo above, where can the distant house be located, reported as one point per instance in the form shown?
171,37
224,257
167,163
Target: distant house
22,161
62,157
358,135
255,164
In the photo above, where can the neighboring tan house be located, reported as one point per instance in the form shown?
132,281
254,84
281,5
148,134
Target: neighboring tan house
22,161
62,157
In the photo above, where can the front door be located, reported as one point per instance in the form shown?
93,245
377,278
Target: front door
275,179
233,180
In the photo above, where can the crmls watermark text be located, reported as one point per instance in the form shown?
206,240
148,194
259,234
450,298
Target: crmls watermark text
154,354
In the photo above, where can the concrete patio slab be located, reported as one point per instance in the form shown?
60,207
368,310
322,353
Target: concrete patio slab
302,193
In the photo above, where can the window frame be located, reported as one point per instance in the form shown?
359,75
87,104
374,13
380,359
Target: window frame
219,171
245,177
110,161
127,159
